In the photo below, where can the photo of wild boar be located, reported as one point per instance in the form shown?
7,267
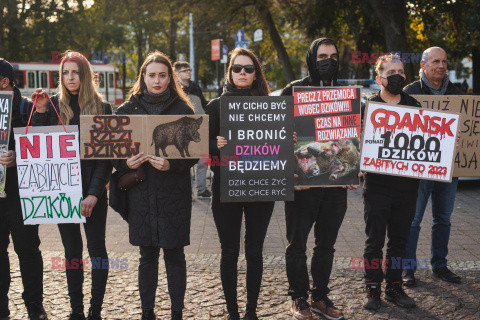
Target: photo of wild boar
328,163
178,133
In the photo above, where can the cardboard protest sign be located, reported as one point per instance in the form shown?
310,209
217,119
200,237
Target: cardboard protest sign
259,133
5,120
327,123
49,174
467,157
121,136
409,142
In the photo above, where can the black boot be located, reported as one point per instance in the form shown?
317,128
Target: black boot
177,315
148,314
446,275
250,315
409,279
94,315
394,293
77,316
36,312
233,316
374,290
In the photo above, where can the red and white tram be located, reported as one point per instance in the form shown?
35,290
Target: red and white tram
32,75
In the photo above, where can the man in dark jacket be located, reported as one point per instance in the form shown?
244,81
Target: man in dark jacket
25,237
433,81
184,73
322,208
389,203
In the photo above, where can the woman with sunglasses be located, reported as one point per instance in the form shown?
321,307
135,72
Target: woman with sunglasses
78,95
245,77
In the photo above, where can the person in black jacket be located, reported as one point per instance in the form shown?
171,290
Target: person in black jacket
195,95
389,202
433,81
25,237
245,77
320,208
159,208
77,95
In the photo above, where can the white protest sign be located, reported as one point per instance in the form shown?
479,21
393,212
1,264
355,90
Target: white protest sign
410,142
49,174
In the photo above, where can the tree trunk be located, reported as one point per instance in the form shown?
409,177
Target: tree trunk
172,38
392,14
276,40
139,40
476,69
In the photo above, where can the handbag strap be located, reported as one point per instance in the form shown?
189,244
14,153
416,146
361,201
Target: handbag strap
33,108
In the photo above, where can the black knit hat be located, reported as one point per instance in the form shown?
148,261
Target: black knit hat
6,70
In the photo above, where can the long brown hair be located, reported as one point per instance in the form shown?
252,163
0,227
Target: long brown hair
89,100
259,86
159,57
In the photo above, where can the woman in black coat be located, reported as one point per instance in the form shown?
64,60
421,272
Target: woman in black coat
245,77
78,95
159,208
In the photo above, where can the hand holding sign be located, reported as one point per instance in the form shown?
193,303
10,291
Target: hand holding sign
8,159
221,142
136,161
40,97
159,163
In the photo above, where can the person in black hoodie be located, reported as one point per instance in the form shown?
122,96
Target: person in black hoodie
159,208
245,77
25,237
322,208
389,202
78,95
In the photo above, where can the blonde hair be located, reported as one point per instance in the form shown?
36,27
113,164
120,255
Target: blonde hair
386,58
159,57
89,100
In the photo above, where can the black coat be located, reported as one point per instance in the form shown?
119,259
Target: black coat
160,208
419,87
95,173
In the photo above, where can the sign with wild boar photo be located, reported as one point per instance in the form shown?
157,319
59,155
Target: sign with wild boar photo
49,174
466,162
409,142
327,123
259,134
5,120
122,136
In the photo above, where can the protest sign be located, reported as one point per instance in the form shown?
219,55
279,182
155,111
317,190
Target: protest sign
409,142
327,123
259,133
122,136
5,120
467,157
49,174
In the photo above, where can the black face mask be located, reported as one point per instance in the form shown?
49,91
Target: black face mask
395,83
327,68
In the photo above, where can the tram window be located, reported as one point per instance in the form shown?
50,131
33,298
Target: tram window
110,80
101,80
43,80
31,79
55,79
19,80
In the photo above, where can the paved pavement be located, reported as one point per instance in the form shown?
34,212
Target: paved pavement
435,299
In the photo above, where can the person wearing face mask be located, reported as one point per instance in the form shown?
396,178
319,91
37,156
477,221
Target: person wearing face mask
25,238
389,202
78,95
159,208
433,81
320,208
245,77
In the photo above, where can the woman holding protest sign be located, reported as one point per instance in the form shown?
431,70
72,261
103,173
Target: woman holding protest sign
159,208
245,77
78,96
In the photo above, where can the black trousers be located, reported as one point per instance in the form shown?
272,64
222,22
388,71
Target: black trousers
72,242
176,268
26,244
387,212
324,209
228,220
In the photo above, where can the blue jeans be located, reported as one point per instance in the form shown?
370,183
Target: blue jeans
443,200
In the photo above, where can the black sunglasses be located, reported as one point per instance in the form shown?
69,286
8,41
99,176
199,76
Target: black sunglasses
237,68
